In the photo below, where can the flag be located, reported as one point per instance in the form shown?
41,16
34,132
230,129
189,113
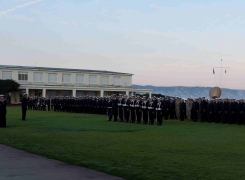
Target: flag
213,71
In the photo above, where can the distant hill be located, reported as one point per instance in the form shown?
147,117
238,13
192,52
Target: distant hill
192,92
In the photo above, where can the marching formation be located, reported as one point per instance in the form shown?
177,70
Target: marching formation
219,110
140,110
147,110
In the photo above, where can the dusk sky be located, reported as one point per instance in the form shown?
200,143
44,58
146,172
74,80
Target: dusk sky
163,43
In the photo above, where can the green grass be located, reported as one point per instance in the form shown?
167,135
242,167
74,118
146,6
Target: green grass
176,150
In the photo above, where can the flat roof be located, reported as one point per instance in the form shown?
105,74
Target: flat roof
62,69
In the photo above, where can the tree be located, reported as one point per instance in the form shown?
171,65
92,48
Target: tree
7,86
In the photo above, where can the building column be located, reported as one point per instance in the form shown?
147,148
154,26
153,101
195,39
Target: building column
44,93
74,92
127,93
27,91
150,94
101,93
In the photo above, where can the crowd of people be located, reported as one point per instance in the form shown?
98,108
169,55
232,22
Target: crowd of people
147,110
140,110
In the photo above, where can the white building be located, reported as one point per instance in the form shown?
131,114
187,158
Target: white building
48,82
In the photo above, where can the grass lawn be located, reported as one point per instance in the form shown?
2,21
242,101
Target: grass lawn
176,150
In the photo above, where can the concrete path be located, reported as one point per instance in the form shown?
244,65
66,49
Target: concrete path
21,165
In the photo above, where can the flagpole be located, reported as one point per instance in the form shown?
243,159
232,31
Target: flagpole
221,76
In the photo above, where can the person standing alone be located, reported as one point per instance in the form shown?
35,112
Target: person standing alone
3,111
24,106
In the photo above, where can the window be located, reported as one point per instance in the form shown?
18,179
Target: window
23,76
6,75
117,80
37,77
66,78
104,79
80,78
52,77
92,79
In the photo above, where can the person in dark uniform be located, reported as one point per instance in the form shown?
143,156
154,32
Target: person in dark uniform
120,107
25,100
182,109
151,111
115,108
216,111
3,111
144,110
223,111
195,110
138,110
238,109
209,111
230,111
126,104
159,109
132,110
109,109
243,112
47,102
166,108
203,109
171,108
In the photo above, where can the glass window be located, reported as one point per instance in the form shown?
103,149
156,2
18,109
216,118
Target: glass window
104,79
37,77
66,78
80,78
6,75
23,76
117,80
52,77
92,79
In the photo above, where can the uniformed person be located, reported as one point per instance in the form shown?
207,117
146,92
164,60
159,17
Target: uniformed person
115,107
126,108
120,107
209,111
132,110
195,110
223,111
203,107
151,111
109,109
159,110
182,108
138,110
24,104
144,108
3,111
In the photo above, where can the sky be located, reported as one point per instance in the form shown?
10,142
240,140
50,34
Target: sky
163,43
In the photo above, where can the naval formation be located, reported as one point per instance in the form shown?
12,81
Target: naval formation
140,110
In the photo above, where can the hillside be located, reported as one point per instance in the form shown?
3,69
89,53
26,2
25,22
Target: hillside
193,92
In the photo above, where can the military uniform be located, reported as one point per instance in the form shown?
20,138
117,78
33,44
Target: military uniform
3,111
182,107
144,108
159,112
138,110
24,104
177,106
126,105
120,108
132,111
151,111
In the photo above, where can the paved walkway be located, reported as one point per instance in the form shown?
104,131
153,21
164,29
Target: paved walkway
21,165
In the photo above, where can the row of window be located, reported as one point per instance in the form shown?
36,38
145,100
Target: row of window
66,78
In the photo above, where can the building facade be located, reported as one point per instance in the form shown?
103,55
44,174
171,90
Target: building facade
50,82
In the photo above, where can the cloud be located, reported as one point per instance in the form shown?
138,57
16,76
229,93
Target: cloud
19,7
